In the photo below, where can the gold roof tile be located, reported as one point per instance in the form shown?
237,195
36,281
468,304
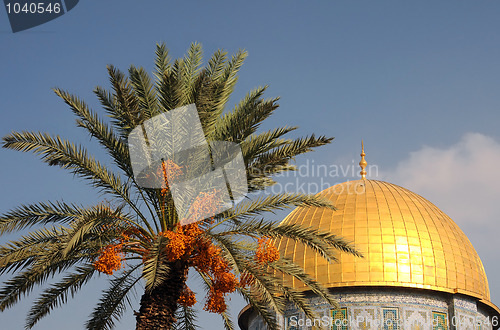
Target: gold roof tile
406,241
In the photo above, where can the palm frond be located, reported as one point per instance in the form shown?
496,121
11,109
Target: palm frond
58,152
90,121
101,221
20,254
324,243
165,79
38,214
124,108
228,79
58,293
270,203
264,284
38,272
245,118
281,155
186,318
189,67
232,251
256,144
162,62
144,91
299,300
226,320
216,64
112,304
266,302
289,268
208,91
155,271
261,307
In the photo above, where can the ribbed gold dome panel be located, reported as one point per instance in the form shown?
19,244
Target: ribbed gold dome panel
406,240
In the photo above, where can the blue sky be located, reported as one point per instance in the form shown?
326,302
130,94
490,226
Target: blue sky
418,81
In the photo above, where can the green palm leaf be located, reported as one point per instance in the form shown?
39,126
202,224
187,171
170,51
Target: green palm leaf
25,216
112,305
58,293
140,225
186,317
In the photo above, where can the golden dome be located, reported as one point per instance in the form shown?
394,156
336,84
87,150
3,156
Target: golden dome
405,239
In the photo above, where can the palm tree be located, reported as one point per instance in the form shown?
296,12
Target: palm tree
136,237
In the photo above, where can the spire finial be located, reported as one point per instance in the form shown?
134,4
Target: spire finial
363,162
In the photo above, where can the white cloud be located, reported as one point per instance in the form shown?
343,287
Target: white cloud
463,181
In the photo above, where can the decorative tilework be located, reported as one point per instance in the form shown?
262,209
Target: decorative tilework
416,298
319,322
417,319
339,319
390,318
484,320
464,322
439,321
417,310
463,303
364,317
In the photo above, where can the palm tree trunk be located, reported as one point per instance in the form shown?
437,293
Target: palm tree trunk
158,306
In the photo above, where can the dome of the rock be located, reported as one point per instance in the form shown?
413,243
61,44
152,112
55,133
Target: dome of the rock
418,271
406,241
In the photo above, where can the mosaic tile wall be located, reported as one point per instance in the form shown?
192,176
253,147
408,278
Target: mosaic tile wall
386,310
